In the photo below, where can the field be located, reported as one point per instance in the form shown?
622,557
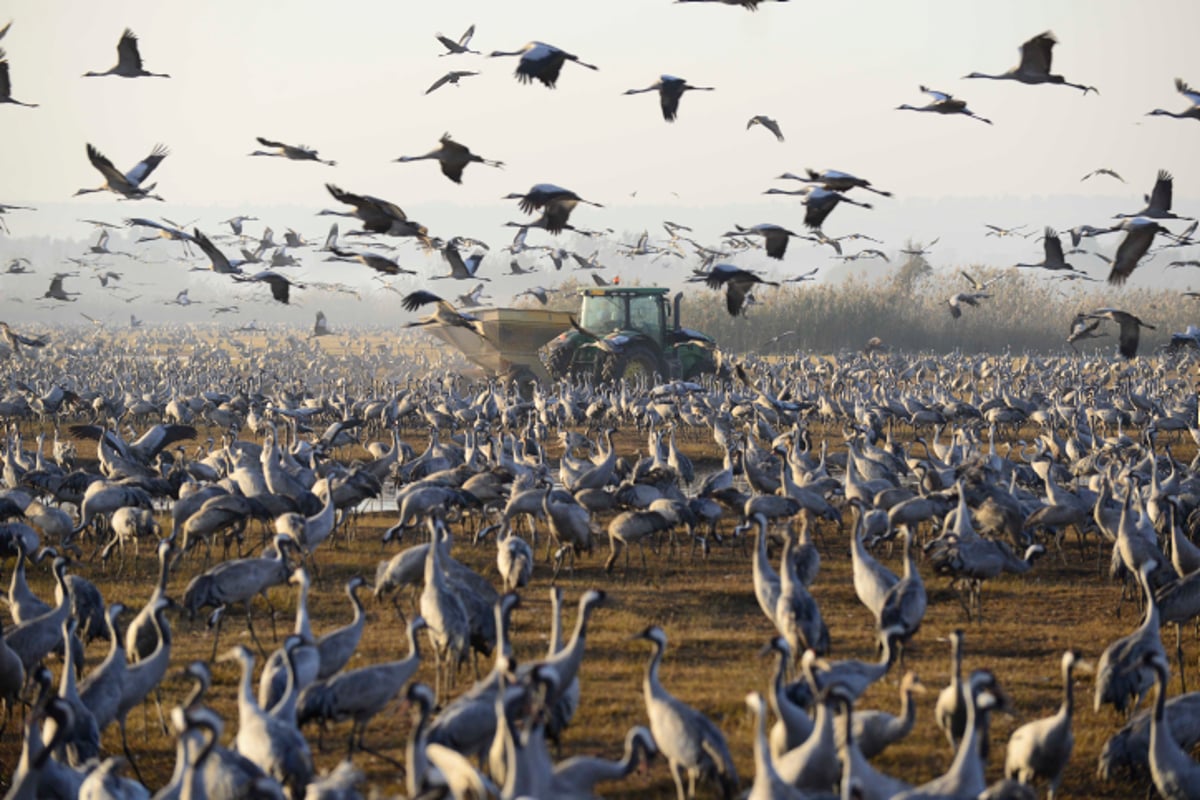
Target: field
716,630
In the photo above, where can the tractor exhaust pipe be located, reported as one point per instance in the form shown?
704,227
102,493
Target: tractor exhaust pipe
678,300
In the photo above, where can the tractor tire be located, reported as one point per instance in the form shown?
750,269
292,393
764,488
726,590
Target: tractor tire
637,362
558,361
525,379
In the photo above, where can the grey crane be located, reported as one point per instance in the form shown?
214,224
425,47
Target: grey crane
965,777
1121,674
286,673
12,678
1191,112
834,180
1042,748
33,640
129,61
461,269
540,61
1102,171
874,731
872,580
459,46
452,77
342,783
768,785
238,581
275,745
57,292
736,281
337,646
380,263
1140,235
128,185
362,693
378,216
904,605
819,203
25,782
788,701
689,741
1034,67
797,616
280,286
570,527
576,777
447,623
82,741
943,103
514,556
950,711
6,85
555,202
1176,776
956,301
1081,329
1158,202
217,261
143,677
101,690
1054,260
291,152
452,157
775,237
443,313
635,527
670,90
1130,329
766,122
813,765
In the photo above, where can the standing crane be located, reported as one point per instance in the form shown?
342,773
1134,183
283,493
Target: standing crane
689,741
1034,67
129,61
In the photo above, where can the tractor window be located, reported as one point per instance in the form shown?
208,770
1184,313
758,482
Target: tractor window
603,314
645,316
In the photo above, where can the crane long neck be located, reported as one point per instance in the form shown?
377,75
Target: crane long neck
650,684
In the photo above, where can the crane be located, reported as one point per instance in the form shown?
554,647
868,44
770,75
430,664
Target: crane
540,61
452,78
766,122
452,157
459,46
292,152
943,103
1191,112
378,216
1034,67
6,84
670,89
128,185
129,61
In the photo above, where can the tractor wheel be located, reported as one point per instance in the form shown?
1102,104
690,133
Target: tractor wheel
524,378
637,363
558,361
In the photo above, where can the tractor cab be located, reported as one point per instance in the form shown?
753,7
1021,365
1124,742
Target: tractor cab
630,332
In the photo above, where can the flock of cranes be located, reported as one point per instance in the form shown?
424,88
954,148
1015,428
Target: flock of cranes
964,508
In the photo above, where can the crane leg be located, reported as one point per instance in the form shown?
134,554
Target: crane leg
129,753
253,635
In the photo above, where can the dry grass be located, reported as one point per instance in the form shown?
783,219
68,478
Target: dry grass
716,630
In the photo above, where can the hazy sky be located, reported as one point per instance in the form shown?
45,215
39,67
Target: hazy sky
350,82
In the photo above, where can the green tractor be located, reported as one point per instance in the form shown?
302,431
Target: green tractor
633,333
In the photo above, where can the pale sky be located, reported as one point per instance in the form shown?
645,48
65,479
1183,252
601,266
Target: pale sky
350,82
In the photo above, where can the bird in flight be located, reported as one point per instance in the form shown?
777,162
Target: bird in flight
1034,67
943,103
555,202
129,61
1191,112
775,237
6,84
293,152
462,45
1140,233
1127,343
1081,328
736,281
452,78
452,157
1102,171
976,284
670,89
766,122
1054,258
957,301
443,313
128,185
378,216
996,230
542,62
280,286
